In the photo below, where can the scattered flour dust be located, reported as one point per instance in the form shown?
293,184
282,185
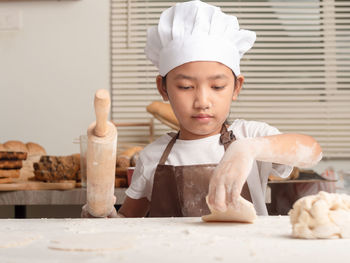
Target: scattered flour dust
93,242
17,239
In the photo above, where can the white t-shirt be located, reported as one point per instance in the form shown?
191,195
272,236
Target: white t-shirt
206,151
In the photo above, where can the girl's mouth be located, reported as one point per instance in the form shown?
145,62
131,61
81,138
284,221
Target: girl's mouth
202,117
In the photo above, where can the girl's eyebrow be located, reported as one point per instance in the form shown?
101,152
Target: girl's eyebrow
182,76
219,76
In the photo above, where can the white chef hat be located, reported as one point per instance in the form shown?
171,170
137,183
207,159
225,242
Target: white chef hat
197,31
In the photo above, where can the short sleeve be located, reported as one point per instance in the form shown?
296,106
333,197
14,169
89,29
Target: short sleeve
139,187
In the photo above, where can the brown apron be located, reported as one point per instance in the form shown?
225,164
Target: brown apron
180,191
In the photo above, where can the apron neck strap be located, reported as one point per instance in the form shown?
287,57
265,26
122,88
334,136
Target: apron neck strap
226,138
169,147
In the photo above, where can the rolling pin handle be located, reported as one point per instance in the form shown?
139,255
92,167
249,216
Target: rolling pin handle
102,104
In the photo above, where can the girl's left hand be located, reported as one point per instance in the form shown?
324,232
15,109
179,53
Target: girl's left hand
230,175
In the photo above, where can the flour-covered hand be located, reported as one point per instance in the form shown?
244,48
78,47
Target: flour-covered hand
230,175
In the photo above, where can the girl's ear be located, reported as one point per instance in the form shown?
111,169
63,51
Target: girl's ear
161,88
238,86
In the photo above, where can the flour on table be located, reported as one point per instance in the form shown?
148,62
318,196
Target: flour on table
243,212
17,239
323,215
92,242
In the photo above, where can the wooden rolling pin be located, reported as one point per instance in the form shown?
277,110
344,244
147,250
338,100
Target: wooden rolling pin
101,159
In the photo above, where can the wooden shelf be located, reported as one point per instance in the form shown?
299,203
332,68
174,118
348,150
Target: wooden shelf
75,196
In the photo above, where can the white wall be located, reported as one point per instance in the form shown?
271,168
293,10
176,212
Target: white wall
50,70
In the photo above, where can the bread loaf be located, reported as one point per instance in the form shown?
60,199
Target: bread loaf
6,180
293,175
9,173
53,176
15,146
163,112
123,159
121,172
11,164
4,155
57,168
35,149
121,182
30,148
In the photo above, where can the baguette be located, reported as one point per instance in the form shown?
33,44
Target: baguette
123,160
163,111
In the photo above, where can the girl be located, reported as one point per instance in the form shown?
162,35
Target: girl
197,49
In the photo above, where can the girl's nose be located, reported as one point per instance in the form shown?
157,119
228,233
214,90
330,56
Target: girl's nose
202,99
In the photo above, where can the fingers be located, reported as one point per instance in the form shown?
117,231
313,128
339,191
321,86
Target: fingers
234,194
217,196
224,191
220,198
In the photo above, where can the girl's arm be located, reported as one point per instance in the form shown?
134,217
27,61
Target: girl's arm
232,171
134,207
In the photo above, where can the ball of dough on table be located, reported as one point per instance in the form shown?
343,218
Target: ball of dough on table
323,215
242,212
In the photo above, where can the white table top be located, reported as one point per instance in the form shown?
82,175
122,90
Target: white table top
172,240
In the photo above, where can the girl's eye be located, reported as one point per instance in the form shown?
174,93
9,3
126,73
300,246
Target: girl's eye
186,87
218,88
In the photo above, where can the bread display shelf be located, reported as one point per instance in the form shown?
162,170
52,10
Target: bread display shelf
34,185
306,176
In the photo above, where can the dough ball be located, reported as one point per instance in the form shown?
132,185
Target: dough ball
242,212
323,215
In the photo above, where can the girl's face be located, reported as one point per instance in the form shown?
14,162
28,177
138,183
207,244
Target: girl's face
200,94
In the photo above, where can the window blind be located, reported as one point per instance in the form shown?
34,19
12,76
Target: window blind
296,75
